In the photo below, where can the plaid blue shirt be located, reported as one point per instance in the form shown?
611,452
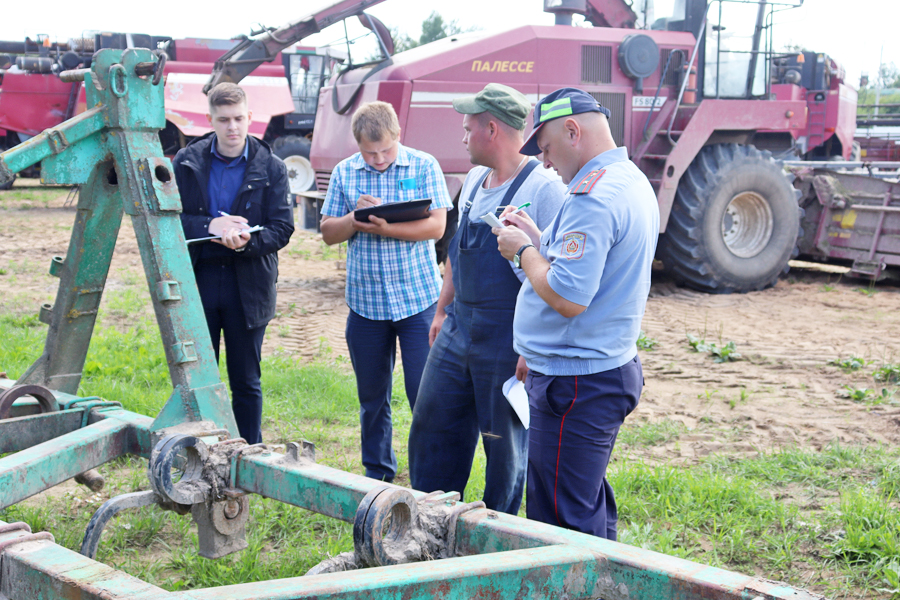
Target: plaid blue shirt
387,278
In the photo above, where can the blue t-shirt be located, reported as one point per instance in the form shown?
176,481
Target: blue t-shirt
600,247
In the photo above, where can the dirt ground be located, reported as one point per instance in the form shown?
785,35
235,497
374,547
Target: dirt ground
782,393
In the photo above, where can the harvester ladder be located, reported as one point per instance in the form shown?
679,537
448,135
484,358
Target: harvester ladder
816,122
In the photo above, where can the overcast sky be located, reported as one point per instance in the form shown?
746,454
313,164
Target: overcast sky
852,32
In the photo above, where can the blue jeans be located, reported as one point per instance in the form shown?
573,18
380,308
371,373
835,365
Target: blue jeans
574,424
373,346
461,397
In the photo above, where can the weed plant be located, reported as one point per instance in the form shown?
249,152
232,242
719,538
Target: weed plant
850,364
867,395
719,353
887,373
646,343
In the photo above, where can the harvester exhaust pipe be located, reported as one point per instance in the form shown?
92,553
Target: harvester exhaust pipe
599,13
564,9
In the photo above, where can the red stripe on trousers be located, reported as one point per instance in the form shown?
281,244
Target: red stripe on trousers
559,451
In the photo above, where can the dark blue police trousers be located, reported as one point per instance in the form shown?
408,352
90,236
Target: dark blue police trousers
373,348
218,285
574,424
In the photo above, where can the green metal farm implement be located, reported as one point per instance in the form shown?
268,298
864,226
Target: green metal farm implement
408,544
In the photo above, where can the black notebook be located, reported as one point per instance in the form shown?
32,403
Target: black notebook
396,212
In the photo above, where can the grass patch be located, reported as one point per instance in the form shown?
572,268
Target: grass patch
35,194
825,520
650,434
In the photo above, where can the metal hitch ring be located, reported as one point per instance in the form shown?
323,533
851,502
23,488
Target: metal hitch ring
383,524
191,488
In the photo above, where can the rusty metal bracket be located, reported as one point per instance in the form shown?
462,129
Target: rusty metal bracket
302,450
31,537
27,537
253,448
45,398
57,140
87,404
17,526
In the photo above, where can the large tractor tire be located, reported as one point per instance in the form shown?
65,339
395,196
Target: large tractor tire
734,223
294,151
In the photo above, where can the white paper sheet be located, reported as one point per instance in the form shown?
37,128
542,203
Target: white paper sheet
515,393
253,229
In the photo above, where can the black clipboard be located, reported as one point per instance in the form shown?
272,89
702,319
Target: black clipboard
396,212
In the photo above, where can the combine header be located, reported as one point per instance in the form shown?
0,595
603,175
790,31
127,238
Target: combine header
407,544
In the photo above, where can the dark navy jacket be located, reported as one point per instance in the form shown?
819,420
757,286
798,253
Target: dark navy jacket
262,199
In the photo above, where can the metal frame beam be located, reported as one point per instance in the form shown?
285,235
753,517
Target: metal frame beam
24,432
29,472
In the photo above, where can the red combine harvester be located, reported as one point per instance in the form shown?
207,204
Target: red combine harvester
705,106
283,96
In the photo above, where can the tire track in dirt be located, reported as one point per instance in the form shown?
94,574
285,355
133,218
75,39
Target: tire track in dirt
781,394
787,336
312,313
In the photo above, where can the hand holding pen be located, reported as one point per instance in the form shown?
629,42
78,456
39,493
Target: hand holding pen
519,208
514,216
365,200
231,230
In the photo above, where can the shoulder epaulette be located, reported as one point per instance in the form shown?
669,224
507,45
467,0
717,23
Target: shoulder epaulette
587,183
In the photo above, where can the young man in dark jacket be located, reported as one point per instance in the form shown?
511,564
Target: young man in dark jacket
230,182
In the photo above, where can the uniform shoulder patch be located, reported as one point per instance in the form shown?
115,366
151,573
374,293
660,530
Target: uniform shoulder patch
573,245
588,181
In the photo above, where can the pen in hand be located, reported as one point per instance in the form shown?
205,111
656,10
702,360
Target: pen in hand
225,214
516,210
526,205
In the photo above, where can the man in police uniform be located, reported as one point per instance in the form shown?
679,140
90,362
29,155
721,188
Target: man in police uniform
472,353
578,315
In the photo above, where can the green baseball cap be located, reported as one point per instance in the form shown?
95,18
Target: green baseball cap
505,103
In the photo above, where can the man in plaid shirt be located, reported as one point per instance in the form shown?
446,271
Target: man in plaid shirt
393,281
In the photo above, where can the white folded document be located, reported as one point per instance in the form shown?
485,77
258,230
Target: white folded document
515,393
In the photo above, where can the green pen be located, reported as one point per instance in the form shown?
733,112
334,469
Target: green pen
526,205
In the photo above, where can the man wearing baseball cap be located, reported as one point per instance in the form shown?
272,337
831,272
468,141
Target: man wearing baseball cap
579,313
472,354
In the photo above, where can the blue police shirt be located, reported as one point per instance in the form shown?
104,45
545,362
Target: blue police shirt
225,178
600,247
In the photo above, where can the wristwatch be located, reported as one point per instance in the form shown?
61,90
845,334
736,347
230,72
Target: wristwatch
517,259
